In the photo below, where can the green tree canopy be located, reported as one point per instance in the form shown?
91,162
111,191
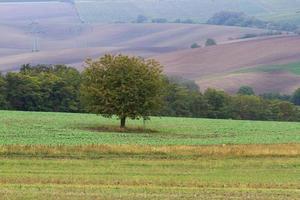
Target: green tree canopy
128,87
296,97
44,88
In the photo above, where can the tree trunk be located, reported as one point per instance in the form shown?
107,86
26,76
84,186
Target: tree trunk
123,122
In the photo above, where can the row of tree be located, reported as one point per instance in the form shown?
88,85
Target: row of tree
41,88
115,85
229,18
183,100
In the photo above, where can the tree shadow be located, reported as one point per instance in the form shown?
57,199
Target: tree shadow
117,129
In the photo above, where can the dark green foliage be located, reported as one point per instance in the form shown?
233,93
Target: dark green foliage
184,102
217,102
275,96
283,111
177,101
195,45
246,90
44,88
3,102
253,35
182,98
23,92
249,107
210,42
296,97
128,87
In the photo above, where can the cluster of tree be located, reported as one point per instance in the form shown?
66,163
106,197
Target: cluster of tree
209,42
229,18
294,98
184,21
132,87
186,101
145,19
195,45
41,88
253,35
159,20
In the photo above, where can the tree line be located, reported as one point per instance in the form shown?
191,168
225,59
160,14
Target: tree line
186,101
60,88
229,18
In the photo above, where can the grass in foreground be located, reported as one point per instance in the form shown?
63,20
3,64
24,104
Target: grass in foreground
133,178
32,128
73,156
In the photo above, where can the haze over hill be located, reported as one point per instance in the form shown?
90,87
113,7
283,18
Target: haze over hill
229,66
72,43
68,32
197,10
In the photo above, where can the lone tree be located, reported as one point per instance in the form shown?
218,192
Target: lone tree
246,90
127,87
210,42
195,45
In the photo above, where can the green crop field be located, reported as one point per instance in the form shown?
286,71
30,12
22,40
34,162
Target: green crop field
74,129
132,178
293,68
81,156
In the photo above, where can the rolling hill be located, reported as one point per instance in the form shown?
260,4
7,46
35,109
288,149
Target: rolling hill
71,43
106,11
60,37
229,66
199,11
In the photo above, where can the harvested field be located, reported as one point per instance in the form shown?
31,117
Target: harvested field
217,66
58,156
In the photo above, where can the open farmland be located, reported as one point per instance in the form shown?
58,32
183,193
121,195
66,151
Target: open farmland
71,43
81,129
66,156
230,65
63,38
134,178
199,11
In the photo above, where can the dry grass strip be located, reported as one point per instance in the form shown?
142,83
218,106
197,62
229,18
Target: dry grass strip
174,151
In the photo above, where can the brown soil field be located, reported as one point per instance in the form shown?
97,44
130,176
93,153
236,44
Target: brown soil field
285,83
71,43
216,66
63,39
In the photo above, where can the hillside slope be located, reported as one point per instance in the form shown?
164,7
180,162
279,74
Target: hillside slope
71,43
198,10
221,66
